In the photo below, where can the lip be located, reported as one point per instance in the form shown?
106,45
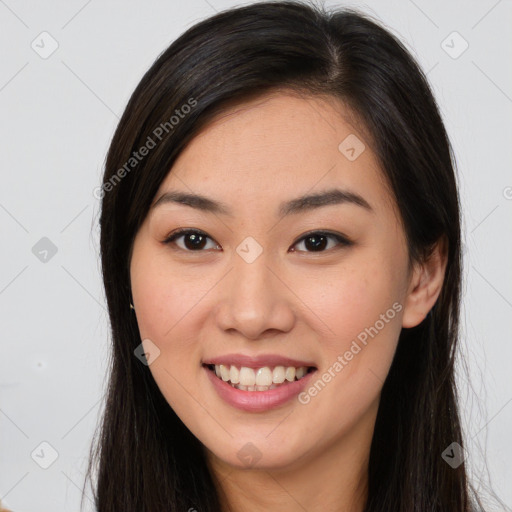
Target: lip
257,361
258,401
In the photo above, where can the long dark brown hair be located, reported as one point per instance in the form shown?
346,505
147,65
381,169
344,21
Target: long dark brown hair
144,458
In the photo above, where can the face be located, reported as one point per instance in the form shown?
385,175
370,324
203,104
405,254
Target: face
266,280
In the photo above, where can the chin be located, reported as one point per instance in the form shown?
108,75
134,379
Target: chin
251,452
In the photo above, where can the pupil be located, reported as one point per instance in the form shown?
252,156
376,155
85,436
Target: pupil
198,244
317,244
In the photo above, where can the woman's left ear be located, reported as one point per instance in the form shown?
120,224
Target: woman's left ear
425,285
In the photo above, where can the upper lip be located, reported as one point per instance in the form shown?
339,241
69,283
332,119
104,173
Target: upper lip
256,361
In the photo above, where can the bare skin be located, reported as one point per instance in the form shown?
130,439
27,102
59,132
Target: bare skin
292,300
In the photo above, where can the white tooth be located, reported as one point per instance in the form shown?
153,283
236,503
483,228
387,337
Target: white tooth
264,376
243,388
234,375
278,375
247,376
301,372
224,372
272,386
261,388
217,370
251,388
290,373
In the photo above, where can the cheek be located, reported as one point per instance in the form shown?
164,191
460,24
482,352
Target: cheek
166,301
170,310
360,314
357,350
164,295
348,300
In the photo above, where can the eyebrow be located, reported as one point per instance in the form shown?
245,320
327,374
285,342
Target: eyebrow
300,204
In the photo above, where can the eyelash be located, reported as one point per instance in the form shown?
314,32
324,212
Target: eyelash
343,241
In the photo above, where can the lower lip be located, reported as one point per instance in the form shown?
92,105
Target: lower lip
258,401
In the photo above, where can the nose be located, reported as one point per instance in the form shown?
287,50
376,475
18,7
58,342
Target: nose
255,300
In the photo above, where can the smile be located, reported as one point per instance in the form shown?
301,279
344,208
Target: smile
259,379
267,387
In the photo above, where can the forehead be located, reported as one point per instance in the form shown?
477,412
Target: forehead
278,146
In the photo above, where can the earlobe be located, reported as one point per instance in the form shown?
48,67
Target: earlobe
425,285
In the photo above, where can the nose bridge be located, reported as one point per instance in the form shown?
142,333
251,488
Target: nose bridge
252,291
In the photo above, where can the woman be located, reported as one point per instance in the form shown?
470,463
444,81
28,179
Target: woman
280,246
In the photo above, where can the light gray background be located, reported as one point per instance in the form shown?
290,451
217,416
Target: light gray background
57,117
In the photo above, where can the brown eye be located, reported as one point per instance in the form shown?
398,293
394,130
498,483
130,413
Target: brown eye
318,240
193,240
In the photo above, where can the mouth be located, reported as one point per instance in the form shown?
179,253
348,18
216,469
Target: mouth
262,378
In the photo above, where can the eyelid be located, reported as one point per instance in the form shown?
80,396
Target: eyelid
343,241
183,231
